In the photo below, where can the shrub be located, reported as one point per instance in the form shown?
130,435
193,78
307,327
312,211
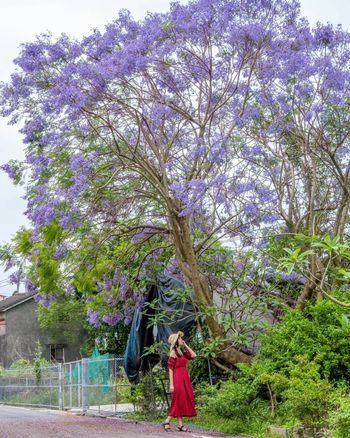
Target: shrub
307,396
148,394
20,363
340,417
318,334
232,407
229,399
299,363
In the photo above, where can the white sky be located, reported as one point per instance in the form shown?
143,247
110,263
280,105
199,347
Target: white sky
22,20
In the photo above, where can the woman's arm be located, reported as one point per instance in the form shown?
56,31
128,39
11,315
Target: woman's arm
189,349
171,379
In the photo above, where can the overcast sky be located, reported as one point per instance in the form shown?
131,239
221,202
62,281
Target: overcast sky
22,20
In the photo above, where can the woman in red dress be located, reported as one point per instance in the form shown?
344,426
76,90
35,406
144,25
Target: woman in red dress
182,400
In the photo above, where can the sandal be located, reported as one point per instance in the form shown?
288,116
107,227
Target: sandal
166,427
182,428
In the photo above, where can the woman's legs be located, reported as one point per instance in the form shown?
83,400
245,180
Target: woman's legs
166,423
180,425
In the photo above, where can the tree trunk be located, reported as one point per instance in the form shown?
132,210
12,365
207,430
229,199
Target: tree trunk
188,264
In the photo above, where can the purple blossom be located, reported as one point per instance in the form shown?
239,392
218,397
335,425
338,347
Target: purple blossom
70,289
15,277
10,264
60,252
250,209
308,116
31,127
265,194
93,317
112,319
218,153
178,188
261,244
273,171
142,273
45,299
109,299
324,34
169,165
245,187
294,277
239,266
11,170
219,180
197,185
136,96
198,152
123,287
30,286
139,300
127,320
269,218
343,150
108,284
220,198
251,151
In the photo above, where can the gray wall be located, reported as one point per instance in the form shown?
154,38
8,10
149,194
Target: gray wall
2,348
22,334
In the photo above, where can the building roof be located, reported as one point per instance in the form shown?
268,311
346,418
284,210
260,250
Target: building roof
14,300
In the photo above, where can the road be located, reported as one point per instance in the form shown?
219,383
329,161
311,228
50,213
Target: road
38,423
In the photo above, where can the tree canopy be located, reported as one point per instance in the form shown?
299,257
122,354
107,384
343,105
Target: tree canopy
188,138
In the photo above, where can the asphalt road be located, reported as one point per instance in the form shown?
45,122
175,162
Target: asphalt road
37,423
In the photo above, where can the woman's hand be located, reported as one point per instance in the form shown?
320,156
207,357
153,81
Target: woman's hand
185,346
171,388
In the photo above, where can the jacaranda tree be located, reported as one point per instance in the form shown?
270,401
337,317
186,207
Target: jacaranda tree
167,138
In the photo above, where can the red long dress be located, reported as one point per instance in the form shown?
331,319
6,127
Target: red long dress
182,400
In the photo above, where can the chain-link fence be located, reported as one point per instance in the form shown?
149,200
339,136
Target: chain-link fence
97,385
32,386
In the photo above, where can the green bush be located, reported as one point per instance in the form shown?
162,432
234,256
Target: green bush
294,375
21,363
148,394
318,334
307,397
232,407
229,399
339,420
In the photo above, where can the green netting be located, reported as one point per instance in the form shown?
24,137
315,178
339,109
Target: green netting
97,370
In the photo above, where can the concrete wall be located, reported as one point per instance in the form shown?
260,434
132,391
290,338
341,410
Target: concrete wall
23,334
2,344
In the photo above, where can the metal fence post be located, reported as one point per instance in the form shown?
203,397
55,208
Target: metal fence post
85,383
60,387
79,384
70,386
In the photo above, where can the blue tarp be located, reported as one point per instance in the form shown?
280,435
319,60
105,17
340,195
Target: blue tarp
173,311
